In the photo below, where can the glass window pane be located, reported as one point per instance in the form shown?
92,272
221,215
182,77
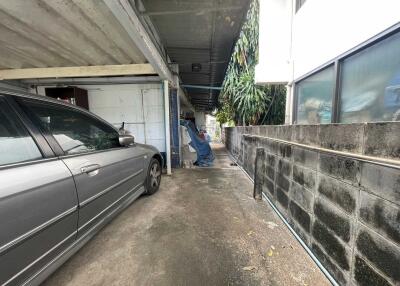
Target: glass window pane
16,145
314,98
75,131
371,84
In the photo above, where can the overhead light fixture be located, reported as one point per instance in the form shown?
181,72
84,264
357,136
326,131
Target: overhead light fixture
196,67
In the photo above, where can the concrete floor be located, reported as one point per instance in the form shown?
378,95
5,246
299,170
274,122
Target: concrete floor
202,228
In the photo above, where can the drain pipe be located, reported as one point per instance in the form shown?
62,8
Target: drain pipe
167,127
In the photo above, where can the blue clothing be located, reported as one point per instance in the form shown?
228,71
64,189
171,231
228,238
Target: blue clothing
205,156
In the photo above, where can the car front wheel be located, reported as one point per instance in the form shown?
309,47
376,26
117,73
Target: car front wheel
153,178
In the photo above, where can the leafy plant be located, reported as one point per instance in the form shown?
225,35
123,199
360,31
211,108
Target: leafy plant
250,103
224,114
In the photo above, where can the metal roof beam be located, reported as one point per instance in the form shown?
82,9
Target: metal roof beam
128,19
192,11
201,87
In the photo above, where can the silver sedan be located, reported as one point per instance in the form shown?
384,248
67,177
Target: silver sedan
64,173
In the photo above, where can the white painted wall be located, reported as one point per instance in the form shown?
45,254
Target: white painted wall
274,41
200,118
140,106
211,126
324,29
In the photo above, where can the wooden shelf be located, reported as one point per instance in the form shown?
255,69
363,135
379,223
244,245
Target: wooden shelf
72,94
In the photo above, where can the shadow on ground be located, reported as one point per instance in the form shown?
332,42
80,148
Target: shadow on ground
202,228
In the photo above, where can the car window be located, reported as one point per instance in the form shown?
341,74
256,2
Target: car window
75,131
16,145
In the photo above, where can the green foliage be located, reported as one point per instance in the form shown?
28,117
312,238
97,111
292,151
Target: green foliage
223,115
276,110
247,102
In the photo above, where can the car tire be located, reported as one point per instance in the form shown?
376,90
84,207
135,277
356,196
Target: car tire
153,179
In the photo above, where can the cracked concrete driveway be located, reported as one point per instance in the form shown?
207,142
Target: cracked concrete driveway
202,228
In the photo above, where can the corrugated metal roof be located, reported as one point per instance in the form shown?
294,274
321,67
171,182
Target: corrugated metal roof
60,33
202,32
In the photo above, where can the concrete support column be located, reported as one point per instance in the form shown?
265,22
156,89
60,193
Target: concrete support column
259,174
167,127
289,105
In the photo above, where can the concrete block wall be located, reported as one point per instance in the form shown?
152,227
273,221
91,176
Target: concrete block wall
346,209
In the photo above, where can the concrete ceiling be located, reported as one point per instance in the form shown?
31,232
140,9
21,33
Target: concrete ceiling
71,33
198,32
62,33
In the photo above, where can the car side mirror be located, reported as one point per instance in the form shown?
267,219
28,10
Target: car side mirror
126,140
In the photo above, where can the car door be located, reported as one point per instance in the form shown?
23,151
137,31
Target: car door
104,172
38,200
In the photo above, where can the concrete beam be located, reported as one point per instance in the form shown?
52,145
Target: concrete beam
93,80
85,71
184,101
128,19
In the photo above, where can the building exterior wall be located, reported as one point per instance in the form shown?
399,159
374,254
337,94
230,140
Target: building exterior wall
200,118
338,186
212,127
294,43
275,23
323,29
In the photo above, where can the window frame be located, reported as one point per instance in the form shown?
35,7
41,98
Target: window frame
299,4
337,64
44,149
50,138
296,92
